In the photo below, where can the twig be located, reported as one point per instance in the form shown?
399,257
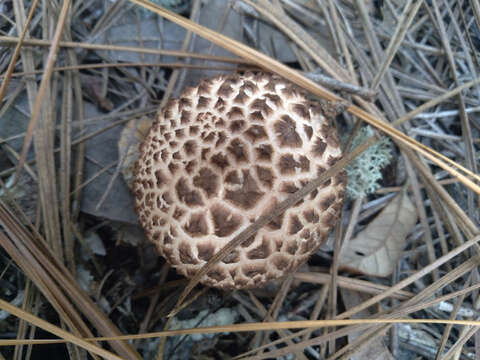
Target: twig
338,85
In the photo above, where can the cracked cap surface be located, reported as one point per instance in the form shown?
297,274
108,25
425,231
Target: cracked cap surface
221,155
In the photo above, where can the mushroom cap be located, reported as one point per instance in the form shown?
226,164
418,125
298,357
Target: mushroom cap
223,154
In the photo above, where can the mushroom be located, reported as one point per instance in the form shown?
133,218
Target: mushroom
221,155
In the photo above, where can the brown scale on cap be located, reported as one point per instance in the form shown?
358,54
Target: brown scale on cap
225,153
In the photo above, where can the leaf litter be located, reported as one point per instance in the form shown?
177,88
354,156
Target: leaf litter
377,249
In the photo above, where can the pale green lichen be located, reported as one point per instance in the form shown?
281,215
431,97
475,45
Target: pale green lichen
365,171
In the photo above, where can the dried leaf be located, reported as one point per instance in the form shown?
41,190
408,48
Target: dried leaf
102,150
14,121
212,16
127,31
95,243
93,86
376,249
376,350
131,137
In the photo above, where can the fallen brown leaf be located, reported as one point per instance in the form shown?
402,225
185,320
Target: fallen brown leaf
376,250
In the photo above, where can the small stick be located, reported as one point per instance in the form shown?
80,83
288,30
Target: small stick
334,84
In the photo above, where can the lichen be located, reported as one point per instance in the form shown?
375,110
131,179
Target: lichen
365,171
